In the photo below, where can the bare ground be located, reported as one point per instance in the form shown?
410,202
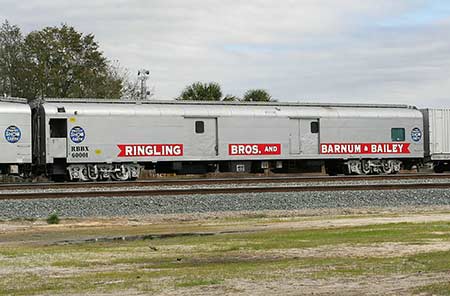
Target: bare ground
26,232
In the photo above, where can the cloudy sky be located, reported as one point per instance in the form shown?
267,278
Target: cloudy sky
394,51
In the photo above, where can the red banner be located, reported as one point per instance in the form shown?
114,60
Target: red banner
254,149
148,150
364,148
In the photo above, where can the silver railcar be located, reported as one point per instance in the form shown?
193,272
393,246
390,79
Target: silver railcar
97,139
437,138
15,139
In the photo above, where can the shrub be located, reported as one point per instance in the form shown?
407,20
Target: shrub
53,219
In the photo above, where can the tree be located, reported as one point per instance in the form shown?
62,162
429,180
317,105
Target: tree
11,60
60,62
257,95
202,92
56,62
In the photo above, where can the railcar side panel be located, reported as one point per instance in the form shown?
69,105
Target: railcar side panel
15,133
108,139
372,132
246,137
175,132
438,125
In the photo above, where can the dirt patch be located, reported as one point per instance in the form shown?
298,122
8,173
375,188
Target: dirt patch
394,285
355,221
211,218
382,250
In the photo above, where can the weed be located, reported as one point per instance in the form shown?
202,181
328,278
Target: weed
53,219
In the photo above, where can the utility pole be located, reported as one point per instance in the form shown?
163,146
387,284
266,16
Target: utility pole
143,76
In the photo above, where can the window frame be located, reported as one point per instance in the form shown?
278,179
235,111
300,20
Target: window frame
58,128
199,127
314,127
394,132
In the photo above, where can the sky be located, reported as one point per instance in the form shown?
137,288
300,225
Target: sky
359,51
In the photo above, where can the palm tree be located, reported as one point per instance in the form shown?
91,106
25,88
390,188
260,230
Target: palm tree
257,95
199,91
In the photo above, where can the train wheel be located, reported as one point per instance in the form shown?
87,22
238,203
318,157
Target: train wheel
439,168
122,175
365,168
387,167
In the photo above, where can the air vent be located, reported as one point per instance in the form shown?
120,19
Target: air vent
61,110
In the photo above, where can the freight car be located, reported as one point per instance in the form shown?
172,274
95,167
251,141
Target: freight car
99,140
437,138
15,143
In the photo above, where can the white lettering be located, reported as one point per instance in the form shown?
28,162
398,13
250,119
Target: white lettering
128,150
177,150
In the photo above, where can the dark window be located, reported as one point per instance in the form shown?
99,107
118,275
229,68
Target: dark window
398,134
58,128
199,127
314,127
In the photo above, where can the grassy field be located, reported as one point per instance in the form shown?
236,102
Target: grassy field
353,255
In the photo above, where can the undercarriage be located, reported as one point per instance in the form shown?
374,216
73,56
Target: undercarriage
103,172
373,166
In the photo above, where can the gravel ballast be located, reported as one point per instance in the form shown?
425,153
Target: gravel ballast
142,206
93,188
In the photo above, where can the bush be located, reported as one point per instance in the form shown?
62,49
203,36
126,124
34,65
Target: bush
53,219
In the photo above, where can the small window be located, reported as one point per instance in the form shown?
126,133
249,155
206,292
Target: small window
58,128
314,127
199,127
398,134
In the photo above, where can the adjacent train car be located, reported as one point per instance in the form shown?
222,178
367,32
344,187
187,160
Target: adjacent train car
437,138
15,142
94,140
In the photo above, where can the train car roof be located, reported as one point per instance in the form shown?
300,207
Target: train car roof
14,106
217,109
224,103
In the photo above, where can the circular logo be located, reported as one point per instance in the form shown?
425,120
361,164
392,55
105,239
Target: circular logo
77,134
12,134
416,134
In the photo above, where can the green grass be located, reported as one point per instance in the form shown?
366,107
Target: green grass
195,273
284,239
189,262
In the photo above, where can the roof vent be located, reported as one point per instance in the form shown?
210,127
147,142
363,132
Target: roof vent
61,110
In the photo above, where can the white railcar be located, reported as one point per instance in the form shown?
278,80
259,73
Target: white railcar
97,139
15,137
437,137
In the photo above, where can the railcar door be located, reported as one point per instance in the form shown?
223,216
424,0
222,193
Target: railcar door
309,136
201,138
57,143
304,136
294,136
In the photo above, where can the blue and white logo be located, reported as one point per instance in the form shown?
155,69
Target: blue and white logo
77,134
13,134
416,134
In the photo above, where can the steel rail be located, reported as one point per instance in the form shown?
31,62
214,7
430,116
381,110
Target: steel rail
205,181
233,190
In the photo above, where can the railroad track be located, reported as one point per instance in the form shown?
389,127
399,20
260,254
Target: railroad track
227,190
207,181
